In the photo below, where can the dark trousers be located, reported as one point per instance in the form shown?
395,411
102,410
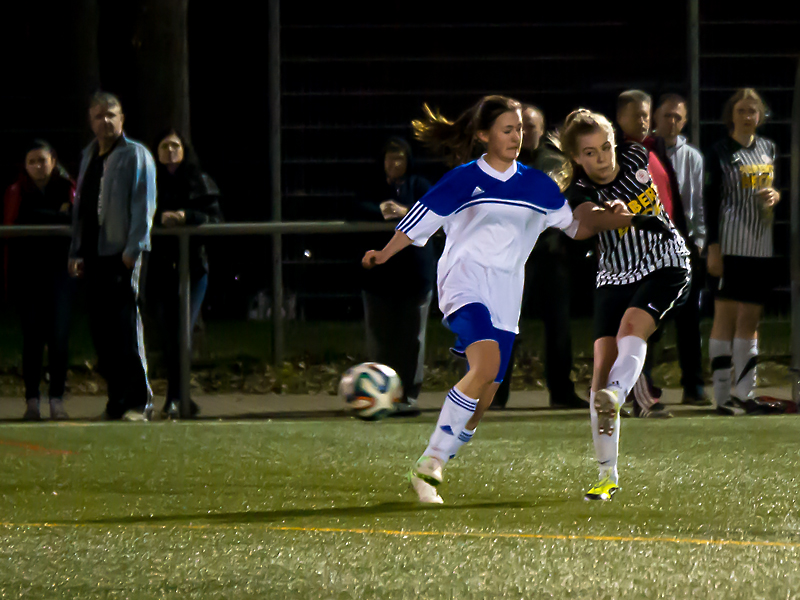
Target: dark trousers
688,339
112,292
396,336
163,293
45,310
548,281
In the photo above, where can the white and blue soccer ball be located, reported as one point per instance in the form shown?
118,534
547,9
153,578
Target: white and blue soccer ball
371,390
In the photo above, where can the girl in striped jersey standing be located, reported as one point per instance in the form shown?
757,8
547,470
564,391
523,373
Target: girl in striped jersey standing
492,211
643,272
740,196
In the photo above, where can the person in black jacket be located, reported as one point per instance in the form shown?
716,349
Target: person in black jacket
397,298
186,196
37,276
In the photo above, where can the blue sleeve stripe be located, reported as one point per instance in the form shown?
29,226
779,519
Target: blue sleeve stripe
401,226
413,220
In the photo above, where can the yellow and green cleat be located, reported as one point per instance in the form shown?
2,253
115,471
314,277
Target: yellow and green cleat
602,490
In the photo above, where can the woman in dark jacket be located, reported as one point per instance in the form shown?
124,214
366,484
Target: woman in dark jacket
36,273
186,196
397,299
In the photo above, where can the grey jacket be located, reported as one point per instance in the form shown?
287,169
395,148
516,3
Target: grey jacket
127,200
688,164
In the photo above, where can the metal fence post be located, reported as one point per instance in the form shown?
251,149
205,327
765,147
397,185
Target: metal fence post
274,79
694,70
185,324
795,235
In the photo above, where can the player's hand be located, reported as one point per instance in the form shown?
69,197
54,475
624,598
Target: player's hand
714,261
173,218
618,207
769,196
75,267
652,224
392,210
372,258
128,261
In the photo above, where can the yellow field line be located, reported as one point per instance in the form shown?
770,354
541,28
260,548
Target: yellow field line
401,533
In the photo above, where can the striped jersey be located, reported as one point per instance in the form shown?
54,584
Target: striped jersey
736,217
627,255
492,221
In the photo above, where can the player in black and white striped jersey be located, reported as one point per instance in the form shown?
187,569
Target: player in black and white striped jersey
643,272
740,197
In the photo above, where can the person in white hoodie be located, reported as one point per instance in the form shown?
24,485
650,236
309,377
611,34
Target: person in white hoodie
687,162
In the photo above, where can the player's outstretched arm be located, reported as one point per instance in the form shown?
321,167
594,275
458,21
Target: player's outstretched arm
592,219
377,257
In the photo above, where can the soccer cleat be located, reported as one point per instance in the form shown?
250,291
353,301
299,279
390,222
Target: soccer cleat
606,403
602,490
426,493
429,470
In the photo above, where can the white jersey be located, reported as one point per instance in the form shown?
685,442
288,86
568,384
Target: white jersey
492,221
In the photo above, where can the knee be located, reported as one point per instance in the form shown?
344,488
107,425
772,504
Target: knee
486,372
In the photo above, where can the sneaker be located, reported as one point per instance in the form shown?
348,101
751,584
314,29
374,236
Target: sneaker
606,403
136,415
657,411
696,400
172,409
570,401
732,408
406,409
32,410
602,490
57,411
426,493
429,470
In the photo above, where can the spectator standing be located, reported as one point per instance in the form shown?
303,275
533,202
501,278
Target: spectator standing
37,276
186,196
633,118
549,262
740,198
114,207
397,298
687,163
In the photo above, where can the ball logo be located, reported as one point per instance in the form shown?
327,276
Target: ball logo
765,158
642,176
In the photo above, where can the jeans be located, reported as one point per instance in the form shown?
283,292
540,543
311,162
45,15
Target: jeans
166,302
45,310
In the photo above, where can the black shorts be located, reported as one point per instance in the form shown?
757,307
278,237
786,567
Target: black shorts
744,279
657,294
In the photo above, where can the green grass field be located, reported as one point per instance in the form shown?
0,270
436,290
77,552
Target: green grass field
319,509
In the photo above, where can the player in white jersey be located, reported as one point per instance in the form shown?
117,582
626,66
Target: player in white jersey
492,211
643,272
740,198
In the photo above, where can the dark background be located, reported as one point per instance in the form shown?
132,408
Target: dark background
353,75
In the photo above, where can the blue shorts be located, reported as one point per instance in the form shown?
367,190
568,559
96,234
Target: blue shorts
473,323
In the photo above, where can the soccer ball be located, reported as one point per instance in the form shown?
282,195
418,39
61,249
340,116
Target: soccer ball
371,390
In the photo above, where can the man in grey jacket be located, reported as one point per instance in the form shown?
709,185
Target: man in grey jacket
687,161
115,202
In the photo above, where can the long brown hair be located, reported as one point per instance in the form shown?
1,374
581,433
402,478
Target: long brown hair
457,140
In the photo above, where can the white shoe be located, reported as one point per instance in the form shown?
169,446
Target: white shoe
606,403
426,493
429,469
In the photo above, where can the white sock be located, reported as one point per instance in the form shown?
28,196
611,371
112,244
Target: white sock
631,352
719,351
606,447
745,356
456,411
461,439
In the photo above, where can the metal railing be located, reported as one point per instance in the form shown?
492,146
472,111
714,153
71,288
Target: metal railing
184,235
